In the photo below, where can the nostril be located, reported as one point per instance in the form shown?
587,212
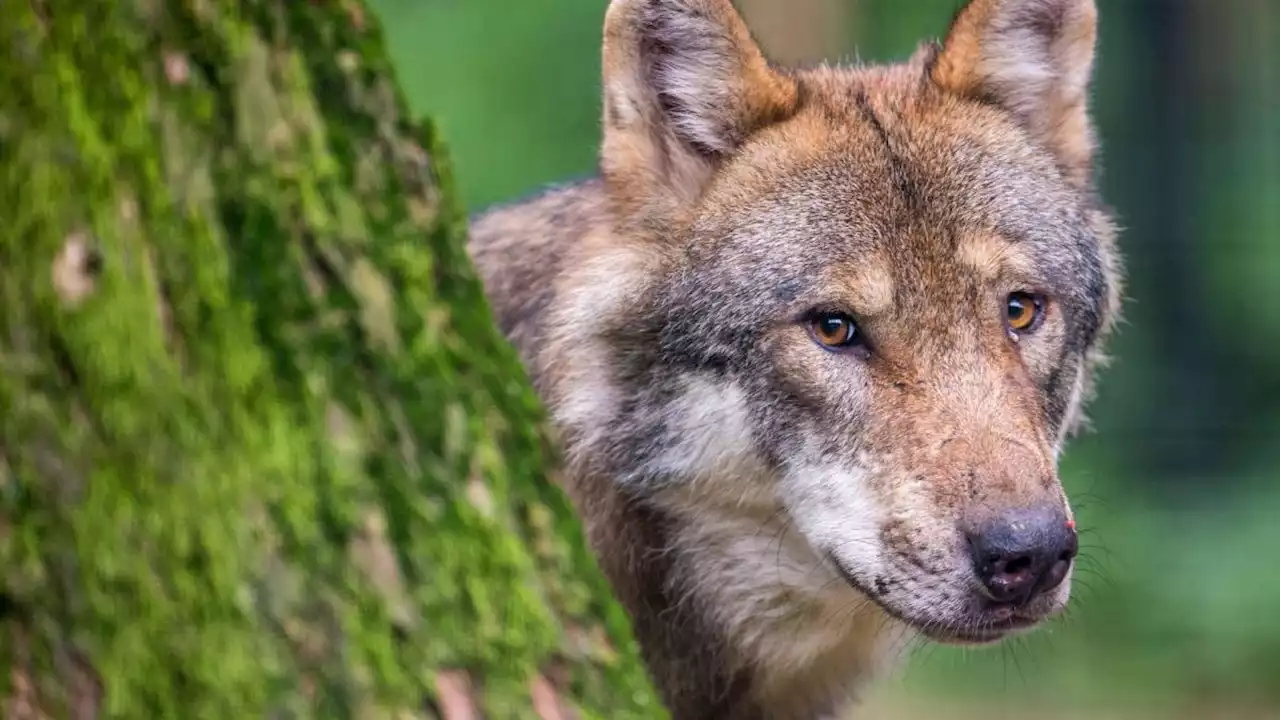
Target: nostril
1009,578
1017,565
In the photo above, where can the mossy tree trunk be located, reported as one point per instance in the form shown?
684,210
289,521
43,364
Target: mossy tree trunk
263,453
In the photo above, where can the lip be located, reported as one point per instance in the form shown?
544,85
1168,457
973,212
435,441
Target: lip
982,628
978,632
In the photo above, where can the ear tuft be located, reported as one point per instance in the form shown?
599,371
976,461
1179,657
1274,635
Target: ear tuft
1034,58
692,63
685,85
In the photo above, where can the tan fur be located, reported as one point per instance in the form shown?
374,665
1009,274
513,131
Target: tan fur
778,519
992,255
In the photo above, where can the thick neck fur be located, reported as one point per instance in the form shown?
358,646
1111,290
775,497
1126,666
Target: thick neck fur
737,614
805,639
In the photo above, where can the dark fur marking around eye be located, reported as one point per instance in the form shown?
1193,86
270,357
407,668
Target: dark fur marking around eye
1057,396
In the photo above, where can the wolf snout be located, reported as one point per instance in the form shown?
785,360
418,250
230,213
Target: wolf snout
1022,554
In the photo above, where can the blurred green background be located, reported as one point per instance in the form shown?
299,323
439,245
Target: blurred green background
1177,611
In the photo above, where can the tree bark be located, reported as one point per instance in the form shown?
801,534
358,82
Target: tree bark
263,452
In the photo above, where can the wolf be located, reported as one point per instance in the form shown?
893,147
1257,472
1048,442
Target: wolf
812,339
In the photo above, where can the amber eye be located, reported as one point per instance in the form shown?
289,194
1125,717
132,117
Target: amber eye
1023,312
834,331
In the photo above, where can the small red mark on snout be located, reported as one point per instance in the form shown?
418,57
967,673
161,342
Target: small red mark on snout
1071,524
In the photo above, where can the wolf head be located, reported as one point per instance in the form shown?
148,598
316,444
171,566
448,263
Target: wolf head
870,299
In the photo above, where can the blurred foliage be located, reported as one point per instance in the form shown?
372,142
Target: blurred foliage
1176,607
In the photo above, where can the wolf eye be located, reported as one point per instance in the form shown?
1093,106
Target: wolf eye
1024,312
834,331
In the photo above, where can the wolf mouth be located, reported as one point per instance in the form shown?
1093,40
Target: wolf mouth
973,630
978,632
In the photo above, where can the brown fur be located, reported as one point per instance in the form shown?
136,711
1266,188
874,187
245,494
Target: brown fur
779,519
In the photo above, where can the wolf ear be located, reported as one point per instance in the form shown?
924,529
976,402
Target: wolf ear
684,86
1035,59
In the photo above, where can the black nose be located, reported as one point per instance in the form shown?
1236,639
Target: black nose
1023,553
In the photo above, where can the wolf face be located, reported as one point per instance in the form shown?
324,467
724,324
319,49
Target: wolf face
836,322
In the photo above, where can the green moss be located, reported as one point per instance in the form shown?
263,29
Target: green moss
276,459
